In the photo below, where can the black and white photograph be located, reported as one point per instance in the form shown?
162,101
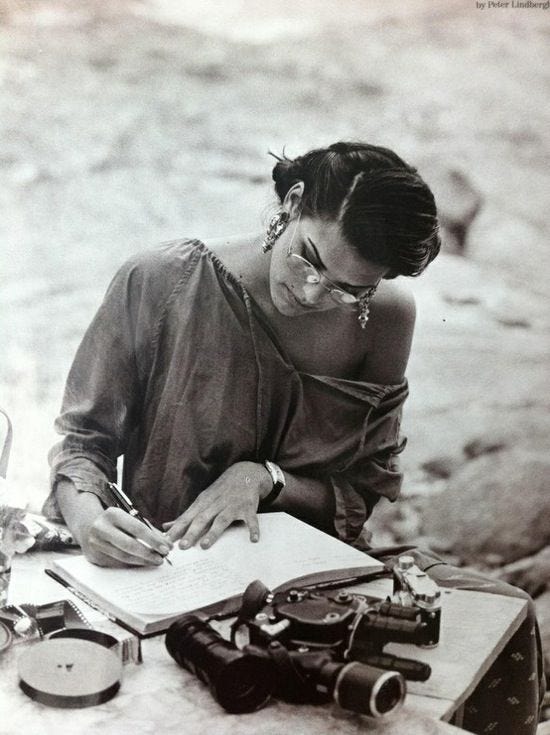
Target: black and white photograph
275,367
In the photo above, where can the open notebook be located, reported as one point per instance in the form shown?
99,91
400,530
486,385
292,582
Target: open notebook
148,600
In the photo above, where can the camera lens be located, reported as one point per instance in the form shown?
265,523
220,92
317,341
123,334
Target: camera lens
368,690
238,681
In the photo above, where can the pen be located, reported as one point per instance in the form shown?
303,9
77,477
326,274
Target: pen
124,502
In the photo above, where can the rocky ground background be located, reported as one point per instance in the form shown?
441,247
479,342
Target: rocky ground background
125,124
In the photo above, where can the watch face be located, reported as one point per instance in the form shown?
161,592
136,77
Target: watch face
5,637
276,473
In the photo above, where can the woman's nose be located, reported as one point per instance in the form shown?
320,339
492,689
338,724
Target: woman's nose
313,293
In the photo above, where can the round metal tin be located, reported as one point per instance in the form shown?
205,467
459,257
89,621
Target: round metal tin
5,637
85,634
68,672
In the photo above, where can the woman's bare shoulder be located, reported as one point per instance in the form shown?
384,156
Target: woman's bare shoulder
394,298
391,325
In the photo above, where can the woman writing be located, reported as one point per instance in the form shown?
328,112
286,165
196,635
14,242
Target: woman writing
257,372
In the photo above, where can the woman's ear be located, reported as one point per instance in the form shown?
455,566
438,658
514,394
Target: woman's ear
293,199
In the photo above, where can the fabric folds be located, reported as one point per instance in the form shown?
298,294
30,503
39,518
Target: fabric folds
179,373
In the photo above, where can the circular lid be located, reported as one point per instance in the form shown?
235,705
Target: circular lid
5,637
85,634
68,672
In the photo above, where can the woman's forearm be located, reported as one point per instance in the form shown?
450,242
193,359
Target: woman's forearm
109,537
79,509
309,499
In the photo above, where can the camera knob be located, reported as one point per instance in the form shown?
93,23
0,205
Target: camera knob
405,562
293,596
343,596
429,598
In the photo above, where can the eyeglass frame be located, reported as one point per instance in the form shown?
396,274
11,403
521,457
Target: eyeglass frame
364,298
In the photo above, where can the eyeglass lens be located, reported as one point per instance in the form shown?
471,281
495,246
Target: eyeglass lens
310,274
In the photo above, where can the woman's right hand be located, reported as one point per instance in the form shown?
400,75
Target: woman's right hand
114,538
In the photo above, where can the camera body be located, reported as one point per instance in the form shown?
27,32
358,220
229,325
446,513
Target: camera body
352,627
312,644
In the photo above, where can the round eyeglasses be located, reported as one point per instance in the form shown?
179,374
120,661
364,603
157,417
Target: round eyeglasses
309,274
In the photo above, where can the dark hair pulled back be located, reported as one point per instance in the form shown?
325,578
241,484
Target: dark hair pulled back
384,207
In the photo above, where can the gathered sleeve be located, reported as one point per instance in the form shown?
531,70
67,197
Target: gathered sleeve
345,433
103,393
373,472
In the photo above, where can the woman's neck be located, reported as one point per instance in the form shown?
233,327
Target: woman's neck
243,256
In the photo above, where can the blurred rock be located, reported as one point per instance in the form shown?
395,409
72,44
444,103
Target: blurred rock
441,467
461,299
458,203
395,523
497,504
532,573
483,445
511,243
512,313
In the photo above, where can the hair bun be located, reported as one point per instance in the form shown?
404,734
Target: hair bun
343,147
285,174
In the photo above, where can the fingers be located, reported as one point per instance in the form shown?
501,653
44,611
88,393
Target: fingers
133,527
178,527
220,523
115,539
253,527
192,528
232,497
206,529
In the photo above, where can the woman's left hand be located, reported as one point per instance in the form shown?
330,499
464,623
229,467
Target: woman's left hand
234,496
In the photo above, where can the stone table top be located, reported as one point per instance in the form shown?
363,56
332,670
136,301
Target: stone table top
158,697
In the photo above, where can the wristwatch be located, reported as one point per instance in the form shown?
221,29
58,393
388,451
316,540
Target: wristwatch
278,479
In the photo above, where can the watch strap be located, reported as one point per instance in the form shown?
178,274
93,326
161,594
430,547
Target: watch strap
278,480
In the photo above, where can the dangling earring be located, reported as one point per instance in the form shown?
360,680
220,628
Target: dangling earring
364,303
277,225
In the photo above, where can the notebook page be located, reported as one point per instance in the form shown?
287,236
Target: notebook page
287,548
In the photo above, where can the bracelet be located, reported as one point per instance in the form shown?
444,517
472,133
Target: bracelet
278,479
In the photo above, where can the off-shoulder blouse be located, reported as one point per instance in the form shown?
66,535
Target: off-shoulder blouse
180,373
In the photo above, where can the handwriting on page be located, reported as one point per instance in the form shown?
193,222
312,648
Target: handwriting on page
287,549
166,590
201,577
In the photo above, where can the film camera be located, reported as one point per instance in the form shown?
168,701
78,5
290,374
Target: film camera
314,644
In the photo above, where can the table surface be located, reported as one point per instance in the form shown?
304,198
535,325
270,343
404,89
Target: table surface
160,697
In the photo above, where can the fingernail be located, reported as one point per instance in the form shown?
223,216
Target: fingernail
164,549
184,544
205,543
254,537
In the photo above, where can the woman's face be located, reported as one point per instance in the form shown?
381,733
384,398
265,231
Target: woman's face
322,244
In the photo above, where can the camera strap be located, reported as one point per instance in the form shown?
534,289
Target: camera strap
330,579
333,578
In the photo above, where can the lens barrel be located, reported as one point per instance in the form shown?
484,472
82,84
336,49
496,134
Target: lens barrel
370,691
239,682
